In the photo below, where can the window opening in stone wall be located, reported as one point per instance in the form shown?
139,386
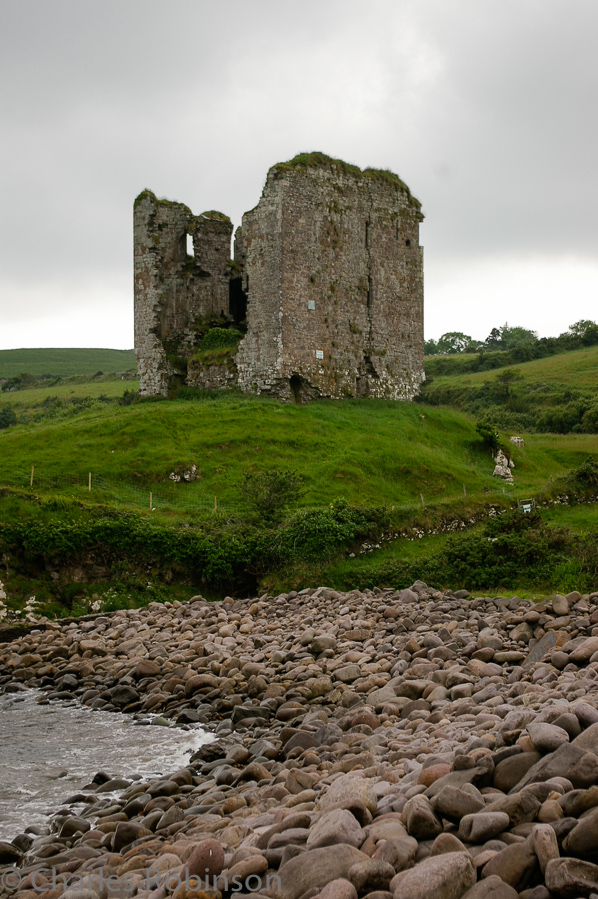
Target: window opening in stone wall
237,301
369,293
397,230
189,245
367,234
319,354
407,243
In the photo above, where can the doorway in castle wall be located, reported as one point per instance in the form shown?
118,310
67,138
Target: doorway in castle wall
298,389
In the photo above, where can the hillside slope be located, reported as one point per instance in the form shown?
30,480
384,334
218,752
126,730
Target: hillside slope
369,452
558,394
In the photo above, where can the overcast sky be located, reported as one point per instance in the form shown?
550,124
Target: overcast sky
486,108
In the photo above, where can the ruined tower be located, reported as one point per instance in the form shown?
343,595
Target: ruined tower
328,275
182,274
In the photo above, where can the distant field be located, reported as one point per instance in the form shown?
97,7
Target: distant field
34,402
64,363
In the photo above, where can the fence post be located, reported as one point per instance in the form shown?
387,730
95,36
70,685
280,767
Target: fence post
151,502
89,488
215,504
464,490
421,496
31,480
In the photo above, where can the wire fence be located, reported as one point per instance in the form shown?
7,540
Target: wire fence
179,496
94,488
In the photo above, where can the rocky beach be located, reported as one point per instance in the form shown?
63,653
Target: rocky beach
388,745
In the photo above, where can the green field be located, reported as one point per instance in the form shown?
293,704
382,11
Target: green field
64,363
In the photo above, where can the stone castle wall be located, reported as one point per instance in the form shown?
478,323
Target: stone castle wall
173,289
329,265
334,276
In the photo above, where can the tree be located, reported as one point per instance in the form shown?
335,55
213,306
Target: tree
494,339
585,330
267,493
453,342
488,433
507,338
507,378
430,348
513,337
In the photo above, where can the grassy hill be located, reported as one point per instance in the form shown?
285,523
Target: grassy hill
371,469
558,394
577,370
368,452
64,363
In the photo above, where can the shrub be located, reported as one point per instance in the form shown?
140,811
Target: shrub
316,533
7,417
268,493
128,398
219,338
19,382
582,481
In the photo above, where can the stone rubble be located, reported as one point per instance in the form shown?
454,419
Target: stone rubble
381,745
502,467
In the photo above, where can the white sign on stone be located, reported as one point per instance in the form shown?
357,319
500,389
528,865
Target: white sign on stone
319,354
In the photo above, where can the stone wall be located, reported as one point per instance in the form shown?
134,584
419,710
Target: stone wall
334,277
328,265
174,288
213,375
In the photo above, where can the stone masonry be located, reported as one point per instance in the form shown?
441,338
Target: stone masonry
327,279
174,288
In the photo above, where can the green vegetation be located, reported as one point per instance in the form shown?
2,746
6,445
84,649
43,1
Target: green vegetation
313,160
219,338
512,552
268,493
65,398
505,346
352,493
218,345
162,201
64,363
558,394
7,417
368,452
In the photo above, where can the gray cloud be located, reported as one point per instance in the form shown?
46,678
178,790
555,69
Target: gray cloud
487,110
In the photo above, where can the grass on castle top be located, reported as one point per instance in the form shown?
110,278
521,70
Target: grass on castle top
64,363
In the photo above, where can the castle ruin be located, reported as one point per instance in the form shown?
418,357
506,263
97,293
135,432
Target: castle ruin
324,296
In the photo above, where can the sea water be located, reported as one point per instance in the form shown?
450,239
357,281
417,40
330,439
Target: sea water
49,752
